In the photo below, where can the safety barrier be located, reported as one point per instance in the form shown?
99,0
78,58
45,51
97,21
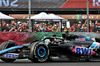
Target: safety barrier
27,37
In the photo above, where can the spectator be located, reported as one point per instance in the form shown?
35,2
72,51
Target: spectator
42,28
76,28
3,26
13,29
80,24
13,23
65,29
83,29
49,28
58,29
7,27
96,29
45,27
72,28
54,29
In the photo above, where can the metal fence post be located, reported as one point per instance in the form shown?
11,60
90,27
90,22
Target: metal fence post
61,25
88,16
32,24
1,25
29,15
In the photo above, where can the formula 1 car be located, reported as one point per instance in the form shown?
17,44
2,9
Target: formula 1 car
41,51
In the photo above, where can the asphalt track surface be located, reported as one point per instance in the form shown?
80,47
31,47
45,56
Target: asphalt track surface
54,62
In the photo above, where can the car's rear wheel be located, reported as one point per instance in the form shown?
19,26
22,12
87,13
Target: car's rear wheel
6,45
39,53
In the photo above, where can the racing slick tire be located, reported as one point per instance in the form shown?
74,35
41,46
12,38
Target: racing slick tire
38,52
5,45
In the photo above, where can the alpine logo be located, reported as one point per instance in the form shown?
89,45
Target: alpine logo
95,45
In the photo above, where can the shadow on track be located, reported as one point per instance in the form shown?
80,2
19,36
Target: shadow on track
52,61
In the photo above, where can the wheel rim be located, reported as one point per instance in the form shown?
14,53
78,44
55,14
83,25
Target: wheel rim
41,52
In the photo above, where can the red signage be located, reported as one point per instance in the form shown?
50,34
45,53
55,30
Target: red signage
81,4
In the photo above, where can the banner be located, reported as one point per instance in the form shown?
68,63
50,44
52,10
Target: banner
81,4
49,3
35,3
27,37
18,37
82,16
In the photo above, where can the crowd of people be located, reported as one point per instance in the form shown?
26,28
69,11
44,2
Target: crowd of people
82,27
44,27
24,27
15,27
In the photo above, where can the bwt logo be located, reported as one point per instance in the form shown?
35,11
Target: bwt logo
96,2
7,3
85,51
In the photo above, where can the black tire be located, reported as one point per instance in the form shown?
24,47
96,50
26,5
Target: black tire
38,52
5,45
49,59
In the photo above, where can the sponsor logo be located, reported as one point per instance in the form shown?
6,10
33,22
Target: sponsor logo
95,45
81,39
11,55
83,50
96,2
7,3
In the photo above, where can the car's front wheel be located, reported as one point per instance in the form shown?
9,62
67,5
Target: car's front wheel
39,53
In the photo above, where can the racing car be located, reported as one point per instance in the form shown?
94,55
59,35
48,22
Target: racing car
41,51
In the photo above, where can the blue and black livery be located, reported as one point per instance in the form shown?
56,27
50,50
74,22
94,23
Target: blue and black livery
71,47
